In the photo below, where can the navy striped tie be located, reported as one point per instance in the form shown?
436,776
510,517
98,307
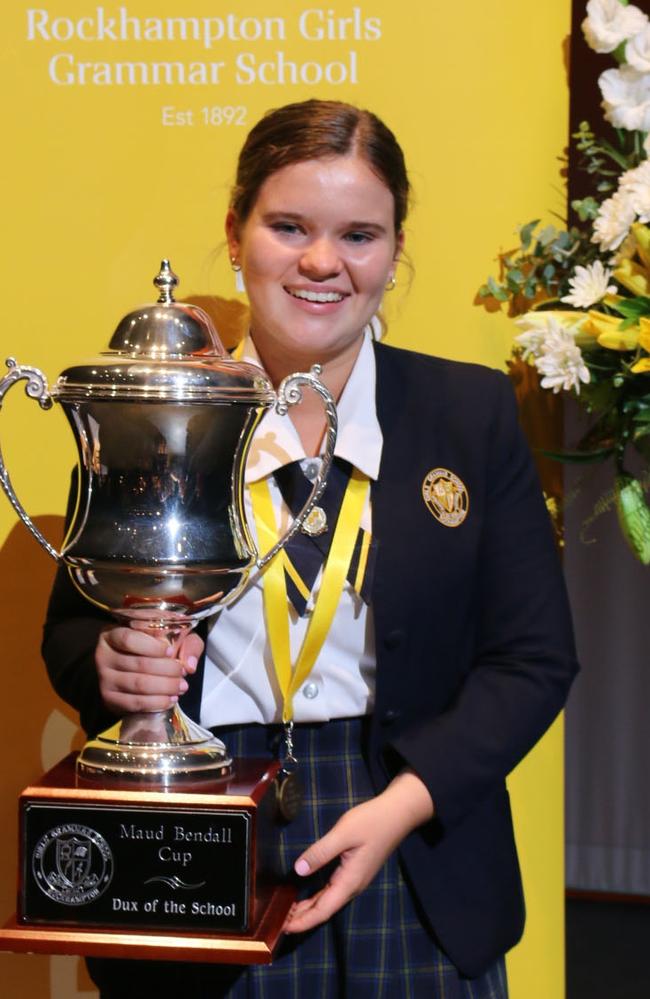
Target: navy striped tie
306,552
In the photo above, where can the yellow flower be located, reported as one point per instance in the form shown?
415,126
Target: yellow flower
620,339
633,277
613,300
644,334
598,322
565,317
608,333
643,364
642,236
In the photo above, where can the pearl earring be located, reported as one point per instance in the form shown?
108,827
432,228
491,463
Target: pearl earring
239,279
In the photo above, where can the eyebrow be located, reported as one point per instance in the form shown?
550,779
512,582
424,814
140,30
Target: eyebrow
275,216
297,217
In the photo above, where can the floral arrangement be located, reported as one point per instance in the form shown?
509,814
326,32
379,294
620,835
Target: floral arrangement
582,293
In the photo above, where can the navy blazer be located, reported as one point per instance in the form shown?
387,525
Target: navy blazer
474,642
473,636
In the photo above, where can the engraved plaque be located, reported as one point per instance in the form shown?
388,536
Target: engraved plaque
176,874
136,867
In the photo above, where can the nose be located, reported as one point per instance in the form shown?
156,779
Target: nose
321,260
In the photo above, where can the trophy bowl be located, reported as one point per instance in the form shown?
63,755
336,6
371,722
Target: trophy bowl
163,421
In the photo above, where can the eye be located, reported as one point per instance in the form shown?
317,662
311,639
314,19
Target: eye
358,236
288,228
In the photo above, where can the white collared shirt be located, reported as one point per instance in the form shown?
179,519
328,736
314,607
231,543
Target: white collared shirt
239,684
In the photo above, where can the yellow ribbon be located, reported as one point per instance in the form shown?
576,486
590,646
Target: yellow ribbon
335,570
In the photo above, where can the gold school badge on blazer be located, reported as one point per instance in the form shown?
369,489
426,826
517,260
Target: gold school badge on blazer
446,497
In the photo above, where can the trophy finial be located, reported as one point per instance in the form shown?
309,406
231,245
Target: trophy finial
165,281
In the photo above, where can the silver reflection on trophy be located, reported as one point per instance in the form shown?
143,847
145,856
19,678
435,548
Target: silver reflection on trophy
163,421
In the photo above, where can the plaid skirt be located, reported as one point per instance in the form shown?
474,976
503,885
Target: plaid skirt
376,947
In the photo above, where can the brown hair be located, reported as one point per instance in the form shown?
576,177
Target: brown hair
314,130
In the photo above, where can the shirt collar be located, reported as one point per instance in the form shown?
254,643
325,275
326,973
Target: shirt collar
359,440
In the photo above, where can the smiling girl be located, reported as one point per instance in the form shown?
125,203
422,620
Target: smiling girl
447,657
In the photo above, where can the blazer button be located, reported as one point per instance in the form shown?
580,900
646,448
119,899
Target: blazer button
393,639
390,716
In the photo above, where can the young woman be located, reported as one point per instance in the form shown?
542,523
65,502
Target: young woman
446,659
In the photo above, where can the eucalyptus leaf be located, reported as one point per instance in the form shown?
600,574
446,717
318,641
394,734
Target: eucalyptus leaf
587,208
547,235
496,290
526,233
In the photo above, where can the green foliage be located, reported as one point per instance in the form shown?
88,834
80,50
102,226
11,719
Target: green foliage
631,309
536,275
540,266
603,161
586,209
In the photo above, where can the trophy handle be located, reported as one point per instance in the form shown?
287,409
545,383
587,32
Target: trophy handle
290,393
36,388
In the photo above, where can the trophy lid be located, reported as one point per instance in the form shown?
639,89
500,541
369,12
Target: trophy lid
166,350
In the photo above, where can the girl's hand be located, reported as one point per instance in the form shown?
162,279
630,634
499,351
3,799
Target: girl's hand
138,672
362,839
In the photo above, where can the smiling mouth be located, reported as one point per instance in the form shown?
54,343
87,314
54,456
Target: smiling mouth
316,296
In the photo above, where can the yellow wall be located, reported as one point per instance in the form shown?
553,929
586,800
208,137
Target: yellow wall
97,189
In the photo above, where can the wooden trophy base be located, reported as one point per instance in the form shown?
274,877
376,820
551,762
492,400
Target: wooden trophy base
123,871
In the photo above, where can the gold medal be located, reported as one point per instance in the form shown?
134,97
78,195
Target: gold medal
289,795
446,497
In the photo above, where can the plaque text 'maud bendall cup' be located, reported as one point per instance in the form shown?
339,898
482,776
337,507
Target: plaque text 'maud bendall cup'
102,865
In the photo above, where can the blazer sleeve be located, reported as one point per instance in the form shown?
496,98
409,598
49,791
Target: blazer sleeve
70,638
523,658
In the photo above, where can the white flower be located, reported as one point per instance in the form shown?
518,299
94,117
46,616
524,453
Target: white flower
625,251
637,50
537,326
588,285
630,203
626,94
534,326
608,23
636,186
612,224
560,362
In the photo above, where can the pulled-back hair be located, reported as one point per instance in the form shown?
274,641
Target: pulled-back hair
316,130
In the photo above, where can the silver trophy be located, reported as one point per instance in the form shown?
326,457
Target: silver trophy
163,421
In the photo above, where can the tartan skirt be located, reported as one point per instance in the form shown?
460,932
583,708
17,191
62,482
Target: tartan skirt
376,947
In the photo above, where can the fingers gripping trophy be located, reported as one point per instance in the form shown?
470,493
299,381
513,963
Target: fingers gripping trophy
163,421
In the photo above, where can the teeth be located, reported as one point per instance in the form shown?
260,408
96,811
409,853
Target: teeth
318,296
